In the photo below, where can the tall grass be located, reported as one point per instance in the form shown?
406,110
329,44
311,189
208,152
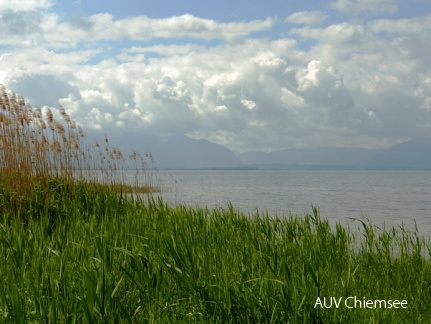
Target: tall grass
151,263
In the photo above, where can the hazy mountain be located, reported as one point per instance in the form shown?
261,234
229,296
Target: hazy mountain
182,152
414,154
310,156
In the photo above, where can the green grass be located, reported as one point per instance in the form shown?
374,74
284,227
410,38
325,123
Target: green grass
108,259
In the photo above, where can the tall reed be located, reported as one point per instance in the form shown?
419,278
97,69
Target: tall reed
42,151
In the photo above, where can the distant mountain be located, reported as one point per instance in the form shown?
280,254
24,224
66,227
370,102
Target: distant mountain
414,154
309,156
182,152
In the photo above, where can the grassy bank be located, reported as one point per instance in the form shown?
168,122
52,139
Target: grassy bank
78,246
108,259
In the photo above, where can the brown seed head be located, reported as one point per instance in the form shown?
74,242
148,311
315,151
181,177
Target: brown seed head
60,128
133,155
42,124
49,116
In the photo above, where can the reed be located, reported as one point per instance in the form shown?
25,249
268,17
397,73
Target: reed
41,151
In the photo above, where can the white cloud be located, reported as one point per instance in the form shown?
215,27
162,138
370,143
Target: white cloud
24,5
306,18
358,6
417,25
353,83
37,27
46,89
334,34
20,28
37,60
248,103
143,28
235,92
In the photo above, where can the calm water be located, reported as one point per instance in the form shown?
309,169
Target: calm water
385,197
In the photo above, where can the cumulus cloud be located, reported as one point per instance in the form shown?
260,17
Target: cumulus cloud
46,28
143,28
417,25
24,5
256,94
45,89
20,23
355,83
306,18
358,6
333,34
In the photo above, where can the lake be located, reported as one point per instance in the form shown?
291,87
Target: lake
385,197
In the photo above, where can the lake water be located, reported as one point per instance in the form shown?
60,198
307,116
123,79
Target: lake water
384,197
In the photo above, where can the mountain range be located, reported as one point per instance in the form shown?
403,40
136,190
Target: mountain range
182,152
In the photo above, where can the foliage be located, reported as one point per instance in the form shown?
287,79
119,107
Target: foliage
122,260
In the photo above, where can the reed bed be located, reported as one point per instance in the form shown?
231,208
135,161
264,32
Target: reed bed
44,156
75,248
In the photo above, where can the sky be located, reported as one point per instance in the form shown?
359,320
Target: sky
249,75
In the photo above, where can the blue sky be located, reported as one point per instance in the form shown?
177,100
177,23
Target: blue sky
221,11
245,74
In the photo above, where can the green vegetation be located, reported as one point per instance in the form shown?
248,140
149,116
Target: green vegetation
79,248
108,259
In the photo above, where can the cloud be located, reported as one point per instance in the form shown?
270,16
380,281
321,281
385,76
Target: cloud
36,27
138,53
103,27
353,83
247,103
416,26
306,18
37,60
343,33
250,95
143,28
20,23
43,89
25,5
359,6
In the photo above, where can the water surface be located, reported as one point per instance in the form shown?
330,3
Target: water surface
385,197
